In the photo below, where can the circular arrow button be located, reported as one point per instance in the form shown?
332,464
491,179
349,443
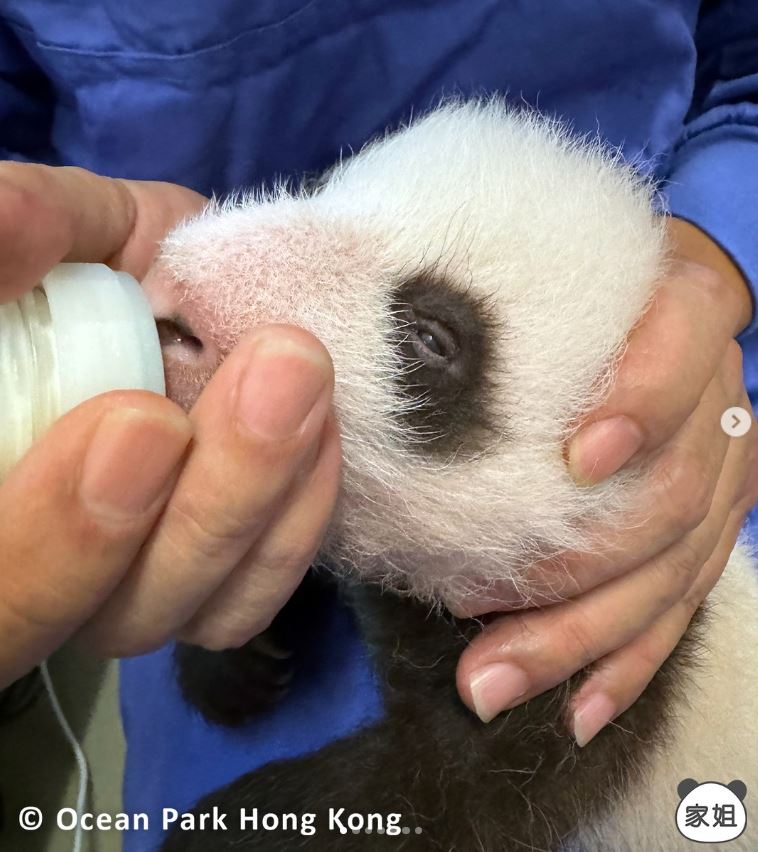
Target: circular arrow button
736,421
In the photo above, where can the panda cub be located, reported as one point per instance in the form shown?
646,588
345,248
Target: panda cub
474,277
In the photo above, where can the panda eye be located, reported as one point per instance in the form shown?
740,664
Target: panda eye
445,340
433,342
429,341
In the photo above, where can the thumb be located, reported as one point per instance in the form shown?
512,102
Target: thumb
53,214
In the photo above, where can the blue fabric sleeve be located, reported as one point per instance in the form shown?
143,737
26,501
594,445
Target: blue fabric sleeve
26,104
713,175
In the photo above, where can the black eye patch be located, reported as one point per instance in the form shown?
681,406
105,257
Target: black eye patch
448,341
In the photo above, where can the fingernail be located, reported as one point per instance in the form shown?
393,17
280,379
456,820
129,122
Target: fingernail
602,448
130,460
282,383
495,687
592,716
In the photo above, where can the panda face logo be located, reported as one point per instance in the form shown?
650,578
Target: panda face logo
711,812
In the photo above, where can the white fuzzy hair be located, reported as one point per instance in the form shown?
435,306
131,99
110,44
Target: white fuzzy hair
560,237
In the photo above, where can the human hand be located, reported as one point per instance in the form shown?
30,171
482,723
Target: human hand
626,607
130,521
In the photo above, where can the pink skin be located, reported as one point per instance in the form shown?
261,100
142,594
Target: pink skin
188,367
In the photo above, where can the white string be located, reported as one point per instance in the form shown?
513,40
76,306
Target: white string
81,760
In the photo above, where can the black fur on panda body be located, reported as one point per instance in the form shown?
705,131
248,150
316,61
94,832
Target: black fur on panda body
518,782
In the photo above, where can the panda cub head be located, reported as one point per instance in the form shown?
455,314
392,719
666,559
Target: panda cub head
474,277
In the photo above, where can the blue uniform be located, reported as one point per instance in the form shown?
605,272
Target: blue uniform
218,94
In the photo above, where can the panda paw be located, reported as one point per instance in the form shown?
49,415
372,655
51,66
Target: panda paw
230,687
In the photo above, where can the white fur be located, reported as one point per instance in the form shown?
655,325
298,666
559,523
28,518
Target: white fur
560,236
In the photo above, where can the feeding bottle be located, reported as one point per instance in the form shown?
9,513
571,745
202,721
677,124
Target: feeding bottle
83,330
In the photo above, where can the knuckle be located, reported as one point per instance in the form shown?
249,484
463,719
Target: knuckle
79,173
684,492
649,658
691,603
707,280
576,636
18,197
203,532
22,204
290,553
25,188
680,566
504,633
278,457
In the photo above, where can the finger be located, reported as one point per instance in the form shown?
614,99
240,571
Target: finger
51,214
160,207
671,357
265,579
71,522
522,655
623,675
746,448
675,501
257,423
682,482
689,241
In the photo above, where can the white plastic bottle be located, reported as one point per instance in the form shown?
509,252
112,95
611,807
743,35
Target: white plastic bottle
83,330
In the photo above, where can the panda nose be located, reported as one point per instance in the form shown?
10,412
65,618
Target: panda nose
185,348
190,353
189,358
174,331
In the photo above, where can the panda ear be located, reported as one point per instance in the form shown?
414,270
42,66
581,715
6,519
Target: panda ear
739,788
686,787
